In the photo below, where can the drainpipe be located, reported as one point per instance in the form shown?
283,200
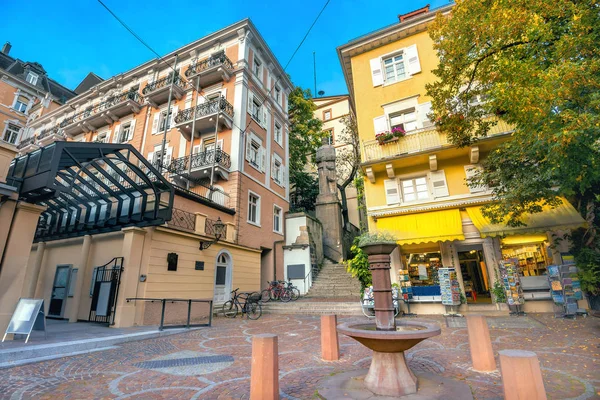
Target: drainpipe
187,185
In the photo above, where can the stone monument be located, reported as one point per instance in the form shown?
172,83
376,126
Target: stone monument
328,208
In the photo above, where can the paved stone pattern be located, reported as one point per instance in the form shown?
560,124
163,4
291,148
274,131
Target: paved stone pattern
569,352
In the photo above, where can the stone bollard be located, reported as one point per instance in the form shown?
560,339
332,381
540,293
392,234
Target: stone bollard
521,375
330,344
264,375
480,343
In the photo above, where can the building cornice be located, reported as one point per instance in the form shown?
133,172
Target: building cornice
443,204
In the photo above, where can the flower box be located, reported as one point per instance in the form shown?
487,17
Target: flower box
390,136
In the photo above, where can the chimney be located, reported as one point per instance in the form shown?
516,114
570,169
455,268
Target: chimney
6,48
422,10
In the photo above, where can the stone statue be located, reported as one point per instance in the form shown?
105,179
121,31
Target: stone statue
327,175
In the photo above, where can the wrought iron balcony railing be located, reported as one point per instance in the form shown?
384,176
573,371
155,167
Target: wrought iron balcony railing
55,130
212,61
204,159
151,87
110,102
182,220
26,142
205,109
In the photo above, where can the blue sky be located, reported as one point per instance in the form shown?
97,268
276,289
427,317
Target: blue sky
72,38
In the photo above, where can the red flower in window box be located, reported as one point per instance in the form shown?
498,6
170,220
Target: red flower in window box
390,136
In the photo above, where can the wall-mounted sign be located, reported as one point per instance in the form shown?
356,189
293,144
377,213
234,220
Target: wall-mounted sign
296,271
199,266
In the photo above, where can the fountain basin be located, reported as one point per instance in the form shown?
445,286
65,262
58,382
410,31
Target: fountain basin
389,374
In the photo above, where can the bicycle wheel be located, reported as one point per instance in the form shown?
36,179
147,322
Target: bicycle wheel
253,310
295,294
265,295
274,293
230,309
285,296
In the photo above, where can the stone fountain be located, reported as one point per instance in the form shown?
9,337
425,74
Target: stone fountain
389,374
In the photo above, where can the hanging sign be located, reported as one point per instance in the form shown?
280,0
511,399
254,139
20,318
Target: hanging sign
28,316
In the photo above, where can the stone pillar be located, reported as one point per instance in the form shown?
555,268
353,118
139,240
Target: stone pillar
330,344
82,266
33,276
450,260
133,244
7,210
264,375
480,343
327,207
521,375
16,257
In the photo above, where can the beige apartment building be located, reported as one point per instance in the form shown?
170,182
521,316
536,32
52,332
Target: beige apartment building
224,163
331,110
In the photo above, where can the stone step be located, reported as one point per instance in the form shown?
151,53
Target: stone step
313,308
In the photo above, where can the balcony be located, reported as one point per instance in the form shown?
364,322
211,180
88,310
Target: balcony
27,145
50,135
157,92
417,141
201,164
205,116
212,70
103,113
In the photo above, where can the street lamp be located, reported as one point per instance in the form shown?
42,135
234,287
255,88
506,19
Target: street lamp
219,228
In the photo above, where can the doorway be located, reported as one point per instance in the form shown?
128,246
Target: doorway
222,278
474,273
59,291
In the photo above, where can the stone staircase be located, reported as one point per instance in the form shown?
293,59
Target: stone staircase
305,306
334,282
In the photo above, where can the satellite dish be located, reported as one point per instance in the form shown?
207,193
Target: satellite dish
321,92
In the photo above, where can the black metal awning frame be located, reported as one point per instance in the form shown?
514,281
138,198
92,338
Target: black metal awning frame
91,188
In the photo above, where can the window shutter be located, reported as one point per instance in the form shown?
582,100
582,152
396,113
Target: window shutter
117,132
151,156
263,154
414,66
438,182
250,102
380,124
248,148
264,117
169,155
155,123
224,92
376,73
392,196
173,115
131,130
423,110
471,171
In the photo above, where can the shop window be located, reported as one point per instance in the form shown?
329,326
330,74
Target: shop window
533,257
419,277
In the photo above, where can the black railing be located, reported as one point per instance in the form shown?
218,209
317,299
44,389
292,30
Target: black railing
47,132
26,142
174,314
206,158
205,109
151,87
110,102
209,228
212,61
182,220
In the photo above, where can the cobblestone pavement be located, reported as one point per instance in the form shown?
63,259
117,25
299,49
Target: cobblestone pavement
214,363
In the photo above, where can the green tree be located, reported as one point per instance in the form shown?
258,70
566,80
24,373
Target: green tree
347,159
304,138
536,66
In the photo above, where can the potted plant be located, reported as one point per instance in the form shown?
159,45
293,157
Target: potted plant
377,243
389,136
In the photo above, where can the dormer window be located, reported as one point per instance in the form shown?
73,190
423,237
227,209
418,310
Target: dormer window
32,78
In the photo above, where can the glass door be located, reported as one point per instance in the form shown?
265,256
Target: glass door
59,291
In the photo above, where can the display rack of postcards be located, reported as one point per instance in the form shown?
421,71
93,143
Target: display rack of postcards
565,289
405,285
509,272
450,290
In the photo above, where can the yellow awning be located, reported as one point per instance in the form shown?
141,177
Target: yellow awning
562,217
435,226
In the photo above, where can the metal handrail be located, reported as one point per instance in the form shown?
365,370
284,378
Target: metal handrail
205,109
163,82
212,61
189,301
181,219
203,159
108,103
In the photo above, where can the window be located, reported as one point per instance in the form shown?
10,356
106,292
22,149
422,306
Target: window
278,95
255,111
256,68
415,189
253,208
255,153
21,104
406,120
278,133
124,133
32,78
328,139
164,119
277,171
394,68
277,219
11,133
101,138
327,115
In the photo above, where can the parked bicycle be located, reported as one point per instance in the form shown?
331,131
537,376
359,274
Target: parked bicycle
251,306
276,290
295,292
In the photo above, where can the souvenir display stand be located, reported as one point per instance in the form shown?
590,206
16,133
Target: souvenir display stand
511,280
406,291
450,290
565,290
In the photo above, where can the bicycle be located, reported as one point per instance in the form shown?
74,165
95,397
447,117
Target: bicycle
294,291
251,306
276,290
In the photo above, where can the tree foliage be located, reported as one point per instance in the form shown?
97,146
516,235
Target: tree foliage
358,265
536,66
347,159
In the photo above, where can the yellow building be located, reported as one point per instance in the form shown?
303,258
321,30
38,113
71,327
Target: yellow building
415,184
